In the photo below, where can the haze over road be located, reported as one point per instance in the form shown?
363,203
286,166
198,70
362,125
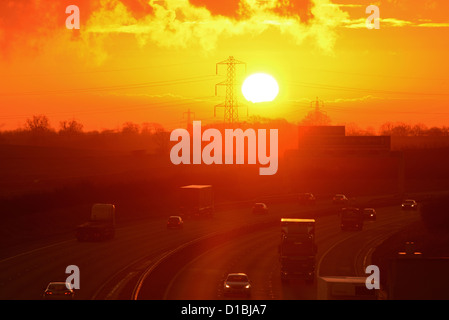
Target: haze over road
108,269
339,253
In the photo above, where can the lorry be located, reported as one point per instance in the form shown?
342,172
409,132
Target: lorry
351,218
344,288
297,249
196,201
101,225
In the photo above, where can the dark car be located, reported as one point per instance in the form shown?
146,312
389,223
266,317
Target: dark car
260,208
237,283
351,219
58,291
369,214
340,199
409,204
175,222
306,198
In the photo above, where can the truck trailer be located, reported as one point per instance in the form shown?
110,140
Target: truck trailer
101,225
344,288
196,201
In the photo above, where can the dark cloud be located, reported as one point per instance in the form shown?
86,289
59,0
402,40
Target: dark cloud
237,8
300,8
25,24
227,8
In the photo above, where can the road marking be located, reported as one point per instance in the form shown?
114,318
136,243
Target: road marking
328,250
149,270
35,250
122,282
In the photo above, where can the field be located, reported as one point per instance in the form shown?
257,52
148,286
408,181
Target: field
48,190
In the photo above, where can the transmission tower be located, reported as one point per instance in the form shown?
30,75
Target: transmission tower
317,103
231,111
189,122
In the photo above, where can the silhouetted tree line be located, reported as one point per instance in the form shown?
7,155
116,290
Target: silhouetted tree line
40,124
37,130
400,129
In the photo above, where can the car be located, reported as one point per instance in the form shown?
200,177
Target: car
369,214
59,291
260,208
409,204
351,219
175,222
340,199
237,283
306,198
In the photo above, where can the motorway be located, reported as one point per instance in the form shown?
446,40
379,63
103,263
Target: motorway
339,254
113,269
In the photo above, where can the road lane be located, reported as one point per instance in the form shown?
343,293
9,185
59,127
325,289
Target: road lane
339,253
24,275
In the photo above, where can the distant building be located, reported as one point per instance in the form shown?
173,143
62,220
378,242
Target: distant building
327,161
333,140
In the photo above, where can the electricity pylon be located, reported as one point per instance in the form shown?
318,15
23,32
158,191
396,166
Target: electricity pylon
189,122
231,107
317,104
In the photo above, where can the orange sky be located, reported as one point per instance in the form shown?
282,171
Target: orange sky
151,61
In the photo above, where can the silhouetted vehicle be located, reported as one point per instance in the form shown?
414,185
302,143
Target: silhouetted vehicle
175,222
306,198
59,291
409,204
297,250
340,199
101,225
196,201
260,208
351,218
237,283
369,214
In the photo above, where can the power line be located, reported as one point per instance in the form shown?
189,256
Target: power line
365,90
370,75
118,87
98,71
143,106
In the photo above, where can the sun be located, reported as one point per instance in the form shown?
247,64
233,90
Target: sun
260,87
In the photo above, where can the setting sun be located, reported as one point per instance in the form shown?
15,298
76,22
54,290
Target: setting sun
260,87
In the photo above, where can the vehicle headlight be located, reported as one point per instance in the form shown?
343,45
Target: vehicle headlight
227,286
247,286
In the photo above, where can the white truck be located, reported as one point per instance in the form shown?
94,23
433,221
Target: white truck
344,288
101,225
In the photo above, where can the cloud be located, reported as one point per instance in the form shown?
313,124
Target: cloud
32,25
360,23
179,23
358,99
434,25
